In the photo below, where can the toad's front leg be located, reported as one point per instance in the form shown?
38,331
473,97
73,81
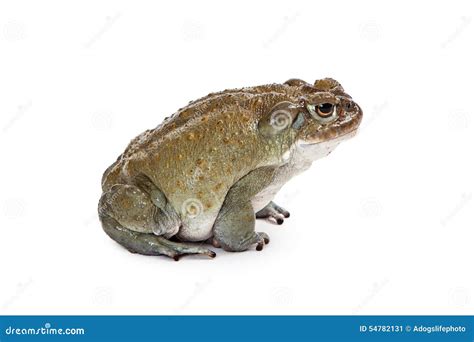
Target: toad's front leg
234,229
273,213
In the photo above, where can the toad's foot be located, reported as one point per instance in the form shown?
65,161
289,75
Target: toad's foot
262,239
150,244
273,213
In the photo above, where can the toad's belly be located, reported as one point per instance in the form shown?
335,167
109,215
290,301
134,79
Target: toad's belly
265,196
282,176
197,225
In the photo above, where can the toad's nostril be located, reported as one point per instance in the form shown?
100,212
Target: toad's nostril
348,106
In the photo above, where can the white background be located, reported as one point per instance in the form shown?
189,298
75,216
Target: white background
384,225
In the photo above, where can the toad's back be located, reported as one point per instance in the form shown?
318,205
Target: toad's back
195,156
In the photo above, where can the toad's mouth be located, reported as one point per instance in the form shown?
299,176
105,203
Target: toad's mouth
337,139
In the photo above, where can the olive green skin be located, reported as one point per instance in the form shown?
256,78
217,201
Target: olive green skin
205,148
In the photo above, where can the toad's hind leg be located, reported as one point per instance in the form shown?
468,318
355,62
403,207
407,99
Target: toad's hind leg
132,219
149,244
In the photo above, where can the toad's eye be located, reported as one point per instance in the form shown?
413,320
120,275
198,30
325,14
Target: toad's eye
325,109
323,112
